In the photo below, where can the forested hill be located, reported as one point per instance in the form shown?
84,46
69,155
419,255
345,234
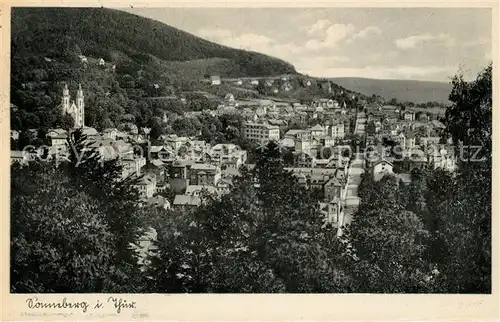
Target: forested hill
143,58
113,35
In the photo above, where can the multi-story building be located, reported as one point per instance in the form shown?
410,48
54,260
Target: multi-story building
261,133
336,130
204,174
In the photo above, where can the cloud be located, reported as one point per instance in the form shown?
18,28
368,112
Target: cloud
327,35
318,26
413,41
371,30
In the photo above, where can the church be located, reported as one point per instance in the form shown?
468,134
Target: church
77,111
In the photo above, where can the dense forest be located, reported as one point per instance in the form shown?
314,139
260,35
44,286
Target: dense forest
74,230
109,34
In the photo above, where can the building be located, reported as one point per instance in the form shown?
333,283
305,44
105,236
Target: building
261,133
155,168
336,130
110,133
198,190
132,165
380,168
408,115
159,201
215,80
146,187
317,130
303,159
101,62
334,213
204,174
186,202
334,189
58,137
76,111
228,153
20,157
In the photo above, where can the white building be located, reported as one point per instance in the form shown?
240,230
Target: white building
261,133
76,111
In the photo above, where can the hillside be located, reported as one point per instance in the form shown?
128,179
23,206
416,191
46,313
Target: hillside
109,34
402,90
142,58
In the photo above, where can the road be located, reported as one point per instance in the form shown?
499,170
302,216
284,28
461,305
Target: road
352,199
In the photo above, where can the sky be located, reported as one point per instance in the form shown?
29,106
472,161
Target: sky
386,43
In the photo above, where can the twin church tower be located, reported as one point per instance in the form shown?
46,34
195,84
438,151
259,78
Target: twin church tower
77,111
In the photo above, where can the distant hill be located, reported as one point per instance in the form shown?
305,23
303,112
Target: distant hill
109,34
402,90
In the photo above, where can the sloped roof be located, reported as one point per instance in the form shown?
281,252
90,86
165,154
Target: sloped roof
187,200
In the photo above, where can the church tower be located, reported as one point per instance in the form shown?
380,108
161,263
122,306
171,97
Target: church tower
80,107
65,99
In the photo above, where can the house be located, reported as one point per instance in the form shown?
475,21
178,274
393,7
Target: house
215,80
132,165
100,62
110,133
334,214
410,140
261,111
317,130
269,82
275,90
295,134
303,159
380,168
238,82
146,187
254,82
204,174
226,153
333,189
186,202
223,186
198,190
303,144
429,140
159,202
175,142
58,137
20,157
408,115
324,102
178,175
300,118
442,158
156,169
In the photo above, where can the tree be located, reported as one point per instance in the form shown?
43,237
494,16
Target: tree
258,238
387,242
59,239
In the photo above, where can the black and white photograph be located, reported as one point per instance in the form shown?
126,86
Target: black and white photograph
250,150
